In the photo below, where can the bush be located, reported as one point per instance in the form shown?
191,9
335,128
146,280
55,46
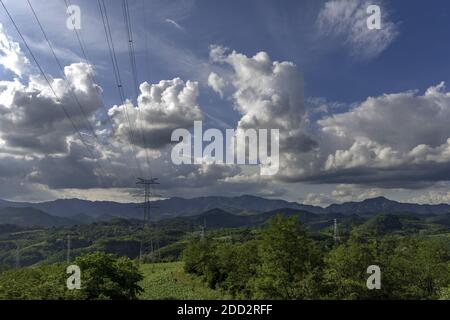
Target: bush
106,277
103,276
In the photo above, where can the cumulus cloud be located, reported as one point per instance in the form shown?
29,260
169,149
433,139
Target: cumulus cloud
32,118
342,193
41,153
383,130
217,83
11,56
268,95
317,199
162,108
347,20
399,139
433,196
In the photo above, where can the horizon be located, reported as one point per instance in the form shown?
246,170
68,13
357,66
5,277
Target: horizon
243,195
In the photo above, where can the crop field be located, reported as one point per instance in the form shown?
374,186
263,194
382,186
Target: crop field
169,281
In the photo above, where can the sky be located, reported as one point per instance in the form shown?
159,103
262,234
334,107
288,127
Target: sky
361,112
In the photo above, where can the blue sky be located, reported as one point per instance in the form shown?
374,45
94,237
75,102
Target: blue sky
341,68
285,29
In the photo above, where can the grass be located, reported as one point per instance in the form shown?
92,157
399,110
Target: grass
168,281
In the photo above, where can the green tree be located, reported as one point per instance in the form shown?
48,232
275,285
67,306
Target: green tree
414,268
46,282
345,269
237,266
411,268
200,258
106,277
290,262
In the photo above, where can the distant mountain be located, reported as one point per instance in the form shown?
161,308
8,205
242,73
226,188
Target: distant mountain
383,205
383,224
87,211
237,205
218,218
31,217
68,208
82,218
165,208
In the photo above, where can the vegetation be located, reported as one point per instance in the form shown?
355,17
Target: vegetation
286,263
104,277
268,256
167,281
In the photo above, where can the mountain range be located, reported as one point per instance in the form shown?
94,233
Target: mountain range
72,211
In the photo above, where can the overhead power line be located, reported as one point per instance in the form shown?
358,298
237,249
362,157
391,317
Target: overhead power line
117,76
61,68
58,99
92,77
132,55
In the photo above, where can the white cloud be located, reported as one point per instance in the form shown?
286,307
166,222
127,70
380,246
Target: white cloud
32,118
391,130
347,20
268,95
398,140
342,193
174,23
162,108
11,56
217,83
431,197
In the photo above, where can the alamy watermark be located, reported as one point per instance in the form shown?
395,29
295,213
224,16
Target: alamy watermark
374,20
73,22
242,147
374,280
74,280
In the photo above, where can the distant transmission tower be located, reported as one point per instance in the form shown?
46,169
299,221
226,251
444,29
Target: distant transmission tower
335,232
146,183
203,229
17,262
69,244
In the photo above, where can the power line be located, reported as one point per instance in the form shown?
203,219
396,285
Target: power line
147,49
117,76
82,45
58,62
132,56
74,96
50,85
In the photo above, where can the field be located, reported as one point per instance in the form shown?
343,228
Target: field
164,281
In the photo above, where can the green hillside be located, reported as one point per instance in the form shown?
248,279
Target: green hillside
163,281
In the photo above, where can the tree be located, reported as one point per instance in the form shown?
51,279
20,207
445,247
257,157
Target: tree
290,262
345,269
415,268
411,268
106,277
237,266
445,294
46,282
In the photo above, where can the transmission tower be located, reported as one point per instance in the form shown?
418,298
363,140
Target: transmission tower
17,262
146,205
335,232
69,244
203,229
